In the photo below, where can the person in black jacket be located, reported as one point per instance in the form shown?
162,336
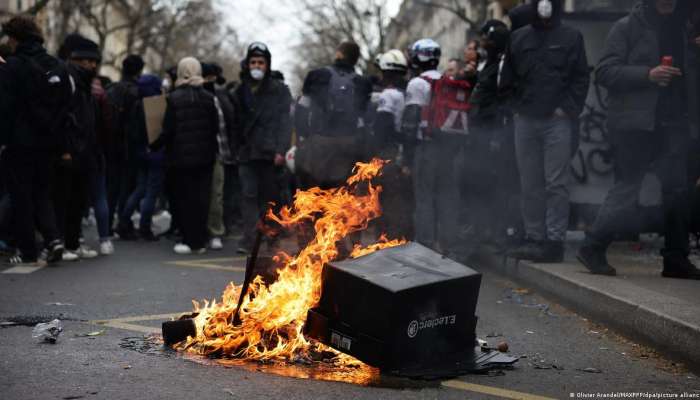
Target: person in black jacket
650,106
190,126
27,158
80,159
261,136
551,78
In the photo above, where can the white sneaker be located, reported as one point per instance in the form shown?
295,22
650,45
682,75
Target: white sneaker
70,255
86,252
182,248
106,248
216,244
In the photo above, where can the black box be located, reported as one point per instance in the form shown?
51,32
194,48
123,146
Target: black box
405,308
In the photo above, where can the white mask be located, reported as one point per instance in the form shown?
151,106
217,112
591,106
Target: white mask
545,9
257,74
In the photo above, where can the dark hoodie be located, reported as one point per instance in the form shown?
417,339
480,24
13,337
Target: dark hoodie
521,16
549,67
634,46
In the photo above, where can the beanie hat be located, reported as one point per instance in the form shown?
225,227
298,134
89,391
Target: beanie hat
149,85
132,65
80,47
259,49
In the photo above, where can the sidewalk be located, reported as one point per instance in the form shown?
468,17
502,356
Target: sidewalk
661,312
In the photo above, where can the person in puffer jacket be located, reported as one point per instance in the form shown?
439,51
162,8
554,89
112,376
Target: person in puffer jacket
190,126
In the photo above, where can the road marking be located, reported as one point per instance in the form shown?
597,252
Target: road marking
211,263
493,391
125,323
21,270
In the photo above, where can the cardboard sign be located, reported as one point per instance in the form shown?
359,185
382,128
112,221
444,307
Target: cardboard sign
154,108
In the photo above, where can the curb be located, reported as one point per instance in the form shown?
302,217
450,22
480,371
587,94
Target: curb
674,338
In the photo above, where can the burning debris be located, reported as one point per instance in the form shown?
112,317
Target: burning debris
269,323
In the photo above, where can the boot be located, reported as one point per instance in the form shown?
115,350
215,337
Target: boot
553,253
593,258
680,267
530,250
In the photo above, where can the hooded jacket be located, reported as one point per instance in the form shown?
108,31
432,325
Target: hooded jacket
85,119
549,67
631,51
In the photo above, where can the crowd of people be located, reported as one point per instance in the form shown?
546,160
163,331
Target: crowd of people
480,152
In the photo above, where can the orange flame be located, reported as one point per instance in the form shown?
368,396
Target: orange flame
272,317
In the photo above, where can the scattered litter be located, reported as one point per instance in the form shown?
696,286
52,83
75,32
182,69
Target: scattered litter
90,334
73,397
591,370
521,291
545,365
482,343
494,335
8,323
127,367
502,347
48,332
515,296
603,348
594,332
529,332
59,304
230,392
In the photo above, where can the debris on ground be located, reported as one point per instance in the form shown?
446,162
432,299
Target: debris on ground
59,304
48,332
591,370
517,296
91,334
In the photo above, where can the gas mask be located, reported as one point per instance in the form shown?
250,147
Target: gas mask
545,9
257,74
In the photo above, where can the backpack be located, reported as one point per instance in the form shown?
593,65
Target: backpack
121,97
448,108
49,96
338,114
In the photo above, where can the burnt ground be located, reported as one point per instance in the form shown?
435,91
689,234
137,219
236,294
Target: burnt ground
562,352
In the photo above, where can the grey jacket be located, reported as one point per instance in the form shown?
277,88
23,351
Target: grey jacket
631,51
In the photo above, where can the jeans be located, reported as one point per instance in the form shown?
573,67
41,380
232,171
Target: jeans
215,223
543,150
636,153
70,193
436,188
121,179
28,172
149,183
258,188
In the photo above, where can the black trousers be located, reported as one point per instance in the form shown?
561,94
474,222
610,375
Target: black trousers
28,174
636,153
191,192
70,191
258,188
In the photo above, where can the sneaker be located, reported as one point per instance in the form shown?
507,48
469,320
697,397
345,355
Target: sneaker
19,261
106,248
595,261
54,251
680,268
553,253
86,253
70,255
216,244
530,250
182,248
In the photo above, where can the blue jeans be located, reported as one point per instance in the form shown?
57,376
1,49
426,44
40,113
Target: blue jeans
149,183
543,150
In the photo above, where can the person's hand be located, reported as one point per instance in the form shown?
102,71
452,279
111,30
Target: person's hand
405,170
66,157
470,68
279,159
2,60
697,41
560,113
662,75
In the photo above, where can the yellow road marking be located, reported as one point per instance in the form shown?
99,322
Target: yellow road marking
211,263
493,391
125,323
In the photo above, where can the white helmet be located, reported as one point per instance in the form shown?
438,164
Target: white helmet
393,60
289,158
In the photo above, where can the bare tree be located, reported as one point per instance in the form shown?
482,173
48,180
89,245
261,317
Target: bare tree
471,12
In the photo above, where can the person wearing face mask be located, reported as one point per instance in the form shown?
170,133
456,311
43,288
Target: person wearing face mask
80,159
261,136
648,64
549,72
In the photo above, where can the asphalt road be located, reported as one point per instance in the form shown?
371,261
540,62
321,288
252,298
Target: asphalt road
129,294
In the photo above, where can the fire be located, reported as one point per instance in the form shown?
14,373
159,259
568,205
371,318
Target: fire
272,316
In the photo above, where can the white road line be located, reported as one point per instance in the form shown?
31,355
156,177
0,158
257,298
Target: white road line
21,270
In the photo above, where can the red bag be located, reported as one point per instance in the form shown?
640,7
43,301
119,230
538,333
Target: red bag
448,108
